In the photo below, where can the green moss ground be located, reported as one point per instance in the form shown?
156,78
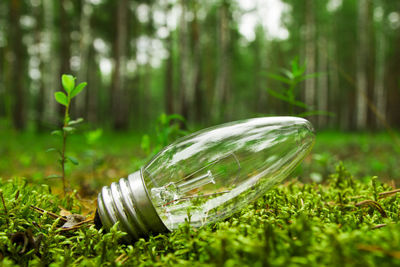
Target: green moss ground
340,221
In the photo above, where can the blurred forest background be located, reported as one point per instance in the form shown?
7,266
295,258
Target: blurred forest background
210,61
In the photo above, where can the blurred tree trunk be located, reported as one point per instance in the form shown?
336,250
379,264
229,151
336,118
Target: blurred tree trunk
260,59
169,68
40,98
310,52
93,87
17,66
222,88
51,64
64,46
323,95
197,79
361,72
4,94
84,47
379,86
169,77
186,73
118,93
335,90
392,76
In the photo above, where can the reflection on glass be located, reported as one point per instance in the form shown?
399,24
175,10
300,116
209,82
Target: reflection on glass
208,175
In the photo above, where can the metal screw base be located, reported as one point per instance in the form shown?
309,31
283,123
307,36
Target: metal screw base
129,203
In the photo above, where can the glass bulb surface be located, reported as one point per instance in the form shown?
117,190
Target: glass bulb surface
206,176
212,173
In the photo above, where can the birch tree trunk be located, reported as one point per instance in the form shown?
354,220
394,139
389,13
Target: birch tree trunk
39,104
335,90
361,72
379,86
221,97
4,96
169,69
197,71
185,66
323,96
310,53
118,100
84,46
17,66
65,44
94,84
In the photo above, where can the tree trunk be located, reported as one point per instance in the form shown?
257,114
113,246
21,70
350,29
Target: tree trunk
169,76
118,93
222,88
322,81
40,98
185,66
94,87
335,92
5,109
361,72
379,86
197,72
51,64
64,48
310,53
84,46
17,66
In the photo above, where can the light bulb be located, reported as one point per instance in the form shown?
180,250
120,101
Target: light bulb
206,176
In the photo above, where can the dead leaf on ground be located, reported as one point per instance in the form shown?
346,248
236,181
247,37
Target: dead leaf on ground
26,241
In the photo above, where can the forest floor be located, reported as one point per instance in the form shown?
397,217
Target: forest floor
338,208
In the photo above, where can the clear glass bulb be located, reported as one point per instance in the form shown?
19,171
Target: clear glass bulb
208,175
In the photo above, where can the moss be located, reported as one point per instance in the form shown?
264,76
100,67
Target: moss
294,224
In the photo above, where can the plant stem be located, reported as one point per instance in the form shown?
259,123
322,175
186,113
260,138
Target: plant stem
66,118
4,203
63,161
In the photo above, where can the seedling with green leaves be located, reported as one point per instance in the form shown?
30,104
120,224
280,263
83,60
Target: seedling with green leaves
168,128
292,78
68,127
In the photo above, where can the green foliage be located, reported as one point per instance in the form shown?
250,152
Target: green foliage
291,80
168,128
68,82
343,222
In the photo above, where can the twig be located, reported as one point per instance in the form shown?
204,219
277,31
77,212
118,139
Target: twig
388,193
122,258
372,204
4,203
77,226
51,214
372,248
379,226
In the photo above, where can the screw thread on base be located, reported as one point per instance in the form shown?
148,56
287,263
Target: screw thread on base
128,203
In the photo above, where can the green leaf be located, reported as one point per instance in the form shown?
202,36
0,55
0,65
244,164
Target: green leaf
51,149
73,160
280,78
68,82
56,132
78,89
61,98
73,122
68,129
53,176
287,99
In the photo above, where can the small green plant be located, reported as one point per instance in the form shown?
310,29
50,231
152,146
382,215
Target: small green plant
292,78
168,128
68,127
